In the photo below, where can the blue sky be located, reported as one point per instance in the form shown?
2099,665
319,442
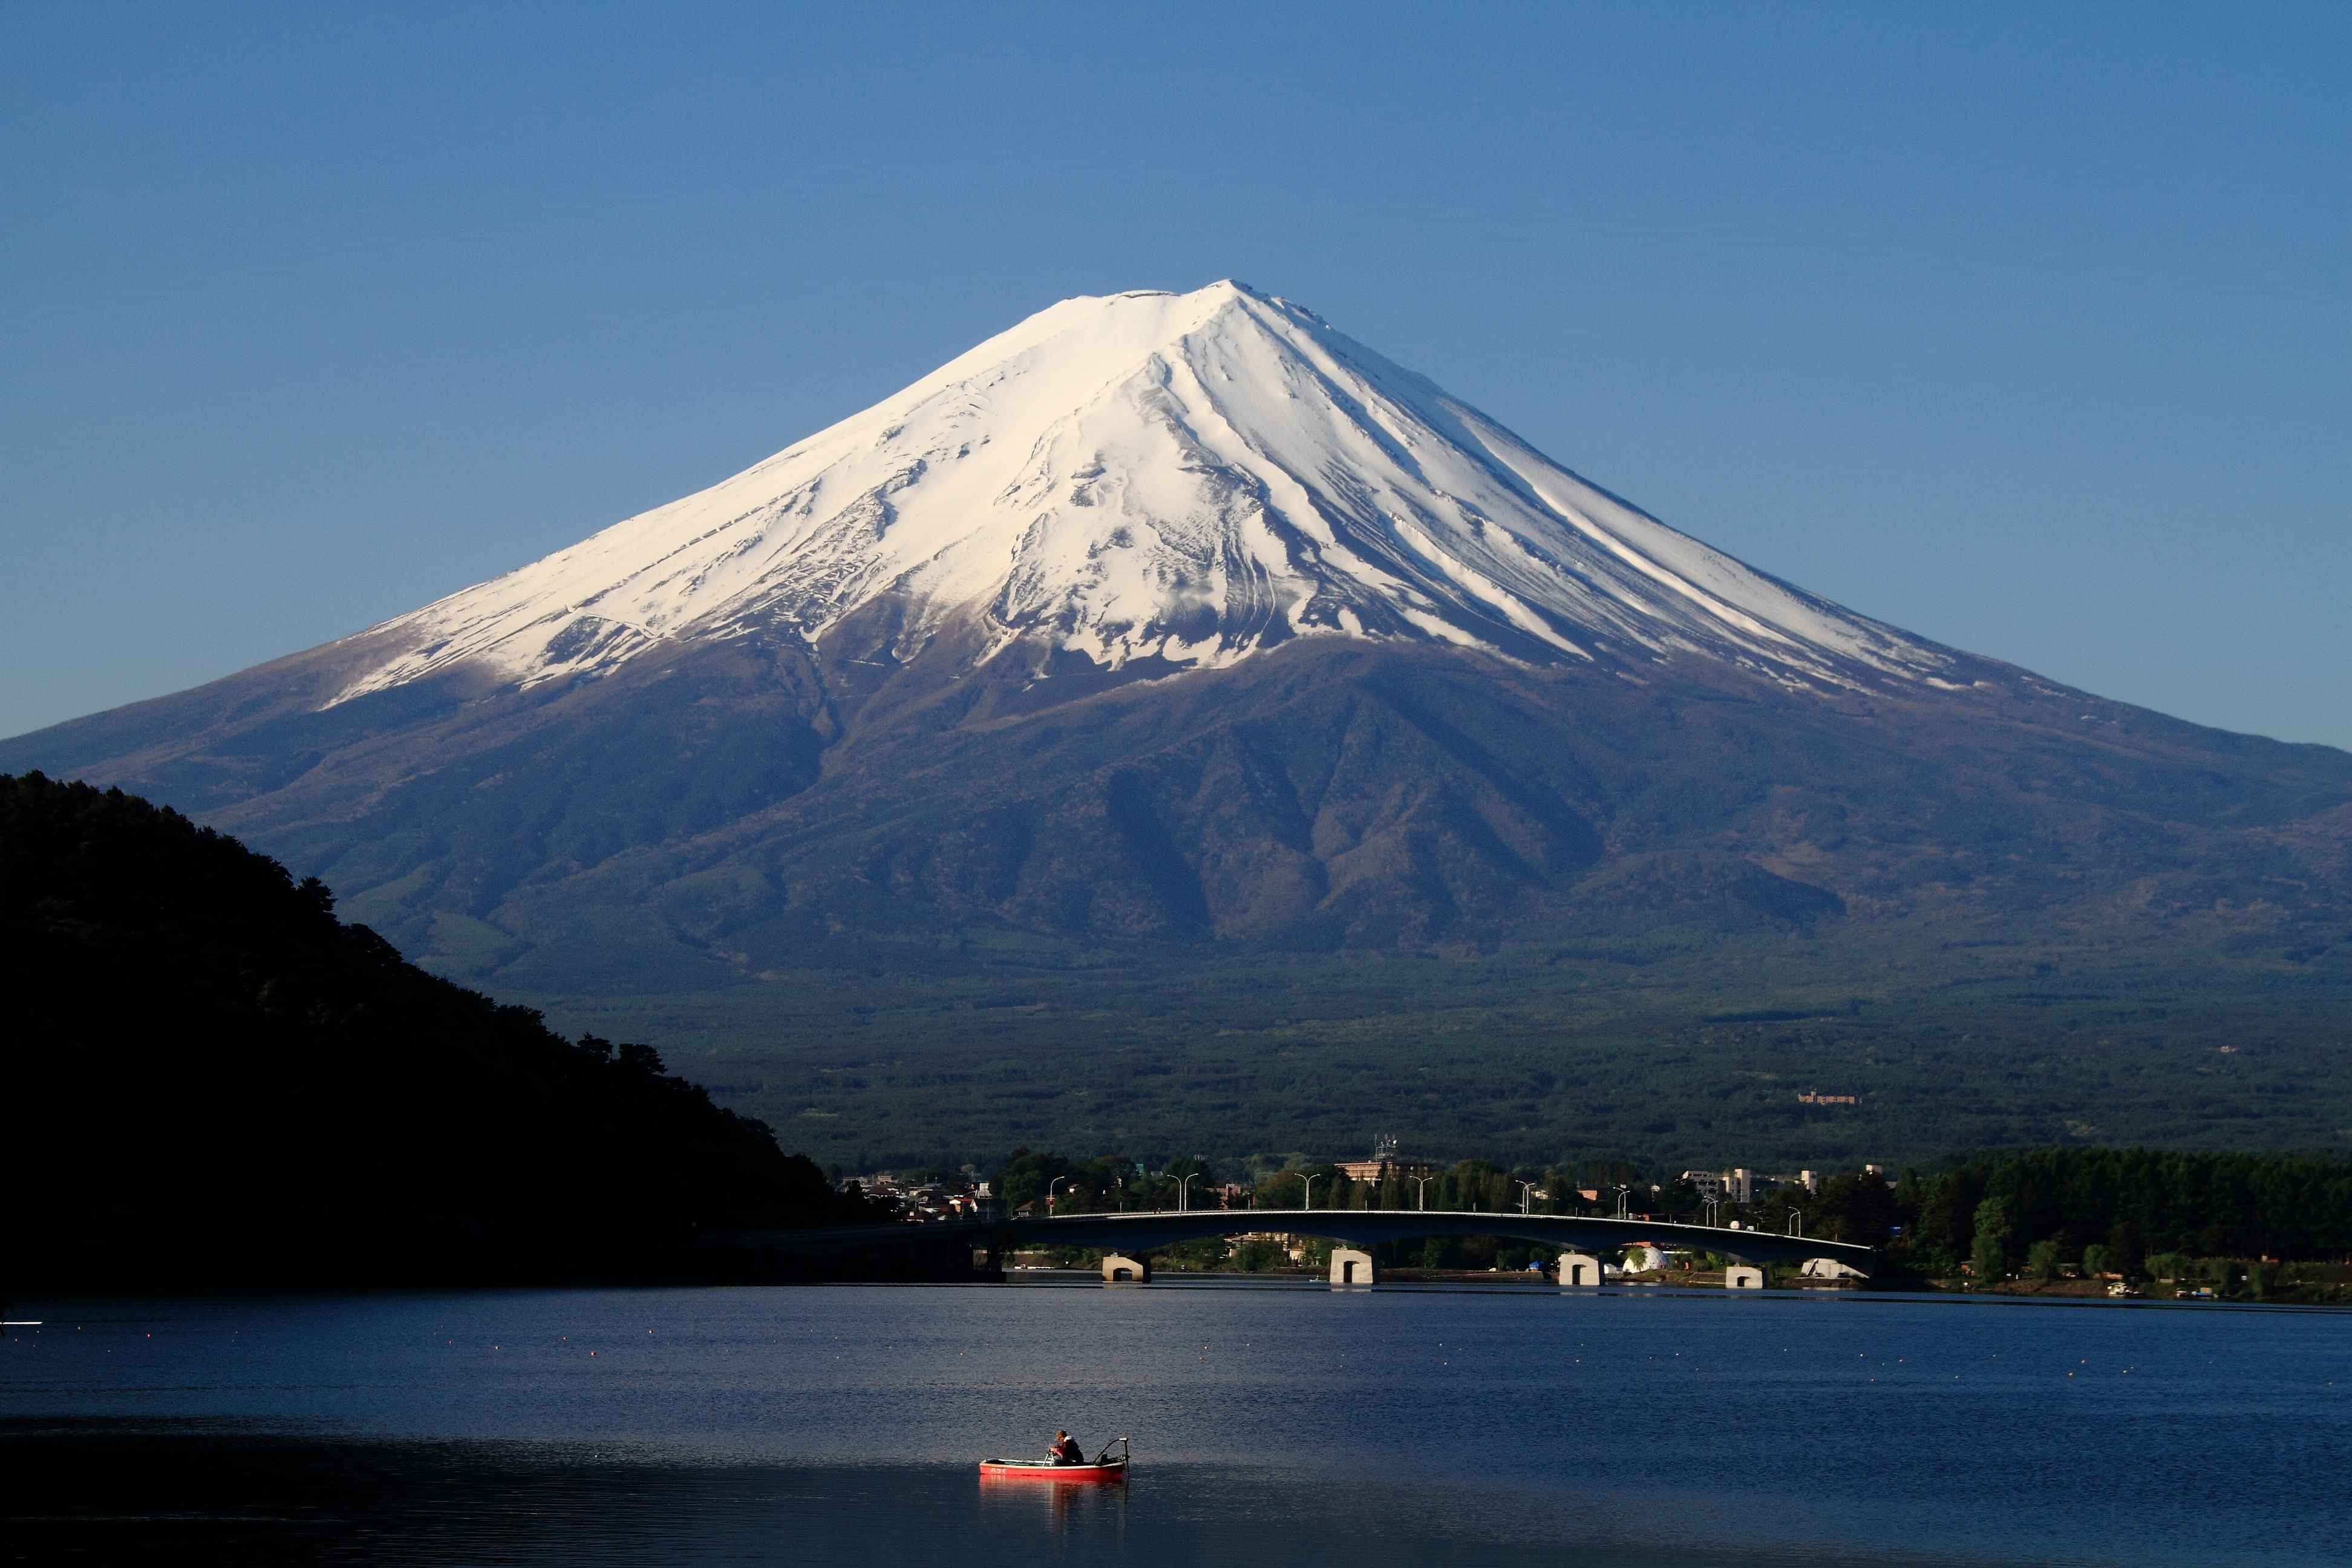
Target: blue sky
2026,332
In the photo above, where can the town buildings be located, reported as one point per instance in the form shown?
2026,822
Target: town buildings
1386,1163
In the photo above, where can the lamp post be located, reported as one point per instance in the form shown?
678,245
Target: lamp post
1420,1191
1310,1190
1796,1222
1527,1194
1184,1190
1052,1187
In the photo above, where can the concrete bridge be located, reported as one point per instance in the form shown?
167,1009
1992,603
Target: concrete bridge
1133,1235
946,1251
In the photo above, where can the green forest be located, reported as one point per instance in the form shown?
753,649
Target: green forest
2132,1213
213,1080
1665,1047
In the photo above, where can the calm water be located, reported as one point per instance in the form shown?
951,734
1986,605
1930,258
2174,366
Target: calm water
1271,1423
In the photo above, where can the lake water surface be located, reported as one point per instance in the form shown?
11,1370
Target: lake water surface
1271,1422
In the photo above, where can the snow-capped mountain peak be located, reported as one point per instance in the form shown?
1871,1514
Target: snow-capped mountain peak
1185,478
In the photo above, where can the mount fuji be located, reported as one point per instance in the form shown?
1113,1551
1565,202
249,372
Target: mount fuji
1170,480
1181,636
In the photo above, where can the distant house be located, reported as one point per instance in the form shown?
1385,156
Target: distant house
1292,1247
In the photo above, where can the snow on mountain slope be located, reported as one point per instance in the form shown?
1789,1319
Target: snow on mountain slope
1186,477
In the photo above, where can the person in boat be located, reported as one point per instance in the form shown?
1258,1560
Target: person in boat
1066,1450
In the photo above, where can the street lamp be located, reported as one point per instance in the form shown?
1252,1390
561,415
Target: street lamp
1527,1194
1184,1190
1310,1190
1420,1191
1796,1222
1055,1186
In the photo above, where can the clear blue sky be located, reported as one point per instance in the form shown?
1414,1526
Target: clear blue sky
2024,328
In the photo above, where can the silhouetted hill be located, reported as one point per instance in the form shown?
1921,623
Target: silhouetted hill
214,1081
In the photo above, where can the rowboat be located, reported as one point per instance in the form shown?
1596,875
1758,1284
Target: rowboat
1103,1467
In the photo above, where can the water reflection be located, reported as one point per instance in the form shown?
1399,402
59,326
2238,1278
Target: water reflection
1014,1503
101,1493
1277,1426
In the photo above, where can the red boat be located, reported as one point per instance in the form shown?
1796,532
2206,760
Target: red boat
1103,1467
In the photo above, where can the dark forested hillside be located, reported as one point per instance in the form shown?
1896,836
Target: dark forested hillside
213,1080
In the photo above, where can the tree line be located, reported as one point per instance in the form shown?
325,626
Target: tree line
2114,1210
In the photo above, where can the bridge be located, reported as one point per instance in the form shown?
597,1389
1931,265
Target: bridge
1136,1233
931,1251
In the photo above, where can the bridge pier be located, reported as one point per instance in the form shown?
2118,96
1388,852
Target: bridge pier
1118,1269
1740,1277
1577,1269
1349,1266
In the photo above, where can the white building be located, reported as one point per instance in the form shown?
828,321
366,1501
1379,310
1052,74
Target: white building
1707,1184
1736,1186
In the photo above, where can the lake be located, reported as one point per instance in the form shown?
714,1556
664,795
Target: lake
1272,1422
